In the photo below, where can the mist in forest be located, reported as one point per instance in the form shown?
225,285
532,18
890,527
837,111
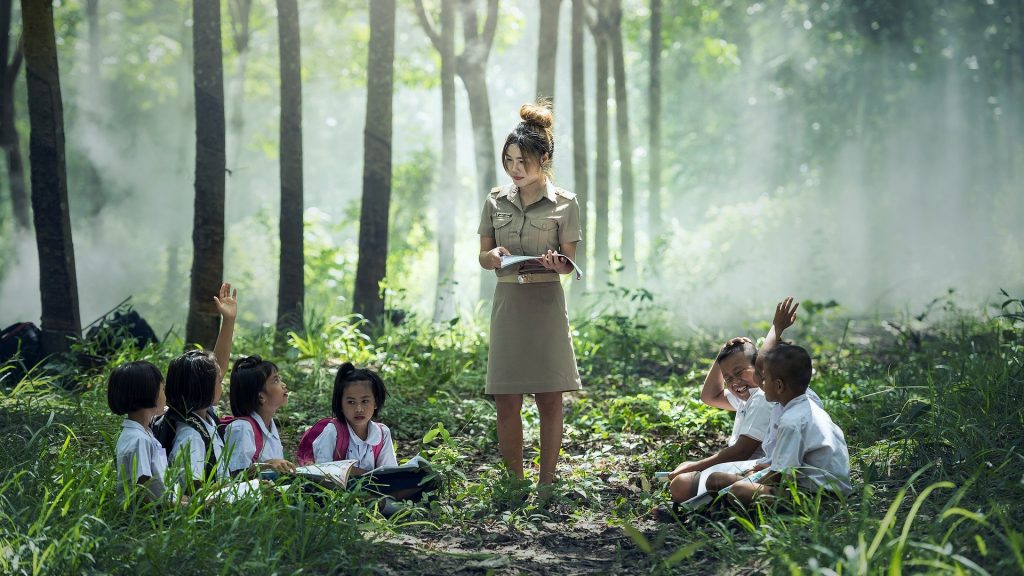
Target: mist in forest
878,178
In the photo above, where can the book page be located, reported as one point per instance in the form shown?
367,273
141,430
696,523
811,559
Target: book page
336,472
509,260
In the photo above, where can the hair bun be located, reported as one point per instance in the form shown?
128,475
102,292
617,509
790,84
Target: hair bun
539,114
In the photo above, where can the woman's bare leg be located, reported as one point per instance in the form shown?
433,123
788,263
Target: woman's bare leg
510,431
549,405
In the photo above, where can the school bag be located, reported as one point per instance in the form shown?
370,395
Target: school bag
304,454
222,426
21,345
165,427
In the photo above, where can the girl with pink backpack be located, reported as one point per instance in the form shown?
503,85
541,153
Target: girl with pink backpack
352,433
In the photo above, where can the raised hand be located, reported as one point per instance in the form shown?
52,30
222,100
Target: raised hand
785,315
227,302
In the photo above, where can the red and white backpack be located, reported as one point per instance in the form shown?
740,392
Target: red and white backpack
304,454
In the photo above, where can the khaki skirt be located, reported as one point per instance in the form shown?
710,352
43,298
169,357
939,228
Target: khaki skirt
531,347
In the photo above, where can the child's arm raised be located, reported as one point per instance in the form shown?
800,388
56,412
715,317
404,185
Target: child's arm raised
785,316
227,305
713,391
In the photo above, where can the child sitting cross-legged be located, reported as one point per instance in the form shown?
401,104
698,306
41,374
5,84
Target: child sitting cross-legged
807,446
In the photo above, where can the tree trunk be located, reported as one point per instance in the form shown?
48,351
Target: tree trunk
373,221
579,132
444,43
625,144
9,140
601,184
208,224
93,185
58,286
291,284
547,48
471,66
654,122
240,11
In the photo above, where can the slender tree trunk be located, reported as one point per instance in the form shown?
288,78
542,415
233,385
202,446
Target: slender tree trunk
58,285
93,185
579,131
291,285
601,184
471,66
654,123
10,66
208,224
373,221
547,48
240,11
625,144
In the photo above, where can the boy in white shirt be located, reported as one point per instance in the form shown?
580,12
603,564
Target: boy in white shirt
807,444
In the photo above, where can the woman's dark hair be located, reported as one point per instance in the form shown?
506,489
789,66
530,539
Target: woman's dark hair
745,347
248,378
349,374
534,135
191,379
133,386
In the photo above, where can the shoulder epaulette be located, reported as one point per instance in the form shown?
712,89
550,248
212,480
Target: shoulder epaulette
495,191
565,193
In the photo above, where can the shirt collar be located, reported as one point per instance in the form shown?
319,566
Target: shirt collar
263,427
373,434
128,423
801,399
511,191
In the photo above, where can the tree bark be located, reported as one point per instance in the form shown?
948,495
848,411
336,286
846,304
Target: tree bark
291,284
654,123
471,66
601,184
240,12
579,131
624,142
373,221
10,66
547,48
444,43
208,223
58,285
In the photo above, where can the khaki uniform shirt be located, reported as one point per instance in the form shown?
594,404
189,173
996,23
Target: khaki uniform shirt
553,220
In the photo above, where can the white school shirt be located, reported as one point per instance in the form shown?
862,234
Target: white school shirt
752,417
140,454
240,442
188,439
358,449
768,443
811,443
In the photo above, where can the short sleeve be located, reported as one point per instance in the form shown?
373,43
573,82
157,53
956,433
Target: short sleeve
240,444
324,444
486,228
135,459
755,423
788,449
188,444
569,230
387,452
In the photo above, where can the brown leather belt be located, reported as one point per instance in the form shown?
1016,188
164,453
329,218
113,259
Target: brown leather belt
529,278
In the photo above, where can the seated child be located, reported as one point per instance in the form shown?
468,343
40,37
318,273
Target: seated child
136,390
359,395
807,444
251,438
193,389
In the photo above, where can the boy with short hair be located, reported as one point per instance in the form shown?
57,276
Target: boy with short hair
807,442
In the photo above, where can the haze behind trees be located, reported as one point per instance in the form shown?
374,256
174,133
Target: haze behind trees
852,151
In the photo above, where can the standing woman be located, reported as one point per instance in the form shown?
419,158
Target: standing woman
531,347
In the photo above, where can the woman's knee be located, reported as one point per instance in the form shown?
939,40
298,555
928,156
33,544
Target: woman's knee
508,403
549,402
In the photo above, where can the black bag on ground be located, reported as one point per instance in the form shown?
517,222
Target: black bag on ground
111,332
21,347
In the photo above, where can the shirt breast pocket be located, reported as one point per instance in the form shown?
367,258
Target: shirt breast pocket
543,235
502,230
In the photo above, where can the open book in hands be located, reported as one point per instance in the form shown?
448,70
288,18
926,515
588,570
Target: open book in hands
339,472
509,260
702,499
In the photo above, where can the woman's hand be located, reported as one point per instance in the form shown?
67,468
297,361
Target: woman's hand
491,259
554,261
